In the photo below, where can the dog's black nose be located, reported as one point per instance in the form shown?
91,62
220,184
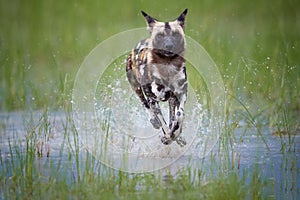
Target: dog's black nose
169,46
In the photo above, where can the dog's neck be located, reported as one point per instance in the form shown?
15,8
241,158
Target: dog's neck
158,58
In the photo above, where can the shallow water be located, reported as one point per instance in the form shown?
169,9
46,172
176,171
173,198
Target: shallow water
277,166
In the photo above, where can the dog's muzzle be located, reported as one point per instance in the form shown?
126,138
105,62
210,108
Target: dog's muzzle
165,53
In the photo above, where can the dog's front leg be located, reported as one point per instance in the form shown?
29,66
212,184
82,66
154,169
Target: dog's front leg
172,106
176,105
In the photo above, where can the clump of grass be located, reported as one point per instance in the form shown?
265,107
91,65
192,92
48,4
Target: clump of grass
74,173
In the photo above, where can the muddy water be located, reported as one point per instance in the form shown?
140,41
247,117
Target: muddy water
275,160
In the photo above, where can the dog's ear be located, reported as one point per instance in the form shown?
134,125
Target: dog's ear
181,18
150,20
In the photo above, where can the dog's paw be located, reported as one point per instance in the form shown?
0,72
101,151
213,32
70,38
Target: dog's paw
181,141
165,140
155,123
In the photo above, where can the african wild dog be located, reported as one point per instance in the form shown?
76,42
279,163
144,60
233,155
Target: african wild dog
156,71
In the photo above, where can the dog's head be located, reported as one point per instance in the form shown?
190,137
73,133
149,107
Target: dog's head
167,37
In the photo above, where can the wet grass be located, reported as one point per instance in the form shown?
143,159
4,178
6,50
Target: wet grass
30,172
256,46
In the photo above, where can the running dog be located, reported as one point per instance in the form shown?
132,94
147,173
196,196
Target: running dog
156,72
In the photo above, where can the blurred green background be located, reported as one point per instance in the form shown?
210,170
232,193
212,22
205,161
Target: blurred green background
254,43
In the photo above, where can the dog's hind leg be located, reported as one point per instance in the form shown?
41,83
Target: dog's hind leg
132,79
155,109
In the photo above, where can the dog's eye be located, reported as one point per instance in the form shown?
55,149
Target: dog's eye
160,35
175,34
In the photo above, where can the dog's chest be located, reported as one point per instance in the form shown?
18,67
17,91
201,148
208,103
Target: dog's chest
166,80
166,74
162,76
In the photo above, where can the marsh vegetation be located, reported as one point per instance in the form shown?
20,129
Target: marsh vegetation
256,47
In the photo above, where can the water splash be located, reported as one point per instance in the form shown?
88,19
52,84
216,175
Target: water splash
123,127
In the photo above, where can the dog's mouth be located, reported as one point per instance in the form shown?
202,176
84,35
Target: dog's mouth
165,53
